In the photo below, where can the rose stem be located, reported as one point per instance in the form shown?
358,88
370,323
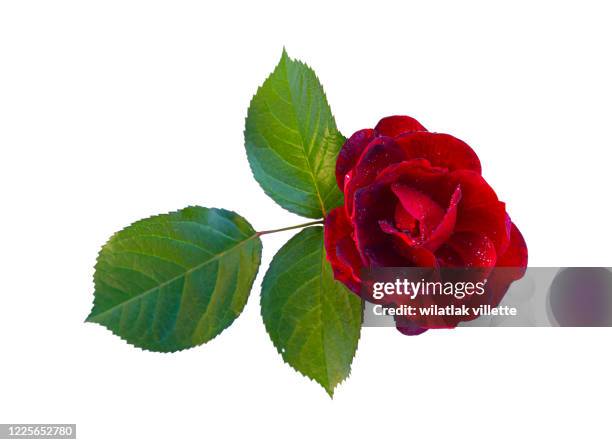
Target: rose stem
310,223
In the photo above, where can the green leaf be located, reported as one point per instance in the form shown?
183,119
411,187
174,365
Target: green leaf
313,320
292,141
176,280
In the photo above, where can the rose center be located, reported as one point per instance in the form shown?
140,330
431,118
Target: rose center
407,223
420,221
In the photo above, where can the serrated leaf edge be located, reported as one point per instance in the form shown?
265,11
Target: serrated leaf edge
256,234
324,211
330,391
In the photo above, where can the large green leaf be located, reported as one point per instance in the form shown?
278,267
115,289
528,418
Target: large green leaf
292,141
176,280
313,320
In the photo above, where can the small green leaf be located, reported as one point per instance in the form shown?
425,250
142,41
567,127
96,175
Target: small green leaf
176,280
292,141
313,320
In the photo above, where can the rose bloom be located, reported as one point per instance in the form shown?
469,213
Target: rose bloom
417,199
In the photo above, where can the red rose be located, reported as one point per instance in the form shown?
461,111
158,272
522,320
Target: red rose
415,198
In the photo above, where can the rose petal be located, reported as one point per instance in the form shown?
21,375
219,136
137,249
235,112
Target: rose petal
393,126
446,227
373,203
346,251
467,257
350,153
509,268
388,228
408,327
472,250
491,220
516,255
379,154
447,257
404,220
476,191
410,252
420,206
385,256
442,150
340,249
420,175
480,210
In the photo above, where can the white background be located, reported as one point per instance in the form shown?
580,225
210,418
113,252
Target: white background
112,111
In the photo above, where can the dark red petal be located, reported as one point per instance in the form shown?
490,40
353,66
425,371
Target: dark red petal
408,327
442,150
346,251
516,255
419,257
473,249
393,126
510,267
420,175
341,250
373,203
447,257
480,210
446,227
389,229
443,188
422,207
384,255
403,219
491,220
350,153
379,154
407,248
476,191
